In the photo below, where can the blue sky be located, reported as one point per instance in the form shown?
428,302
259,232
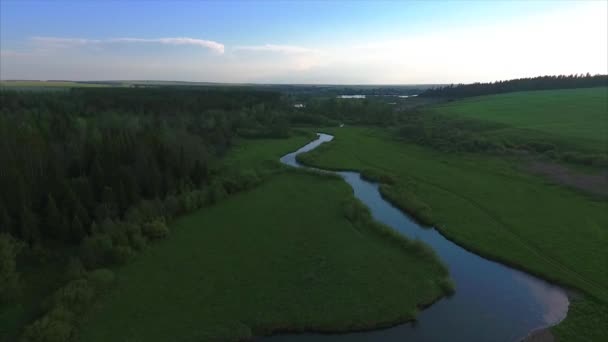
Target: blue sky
301,42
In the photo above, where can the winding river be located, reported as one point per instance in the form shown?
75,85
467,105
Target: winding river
492,302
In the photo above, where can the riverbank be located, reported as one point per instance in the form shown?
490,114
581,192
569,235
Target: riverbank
484,205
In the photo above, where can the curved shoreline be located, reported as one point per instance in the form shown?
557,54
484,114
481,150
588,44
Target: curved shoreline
293,160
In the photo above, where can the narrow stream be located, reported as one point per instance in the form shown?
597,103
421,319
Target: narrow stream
492,302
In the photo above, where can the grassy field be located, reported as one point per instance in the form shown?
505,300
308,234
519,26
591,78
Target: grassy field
48,84
282,256
489,206
575,118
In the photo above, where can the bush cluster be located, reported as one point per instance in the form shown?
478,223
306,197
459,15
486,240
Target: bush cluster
465,135
69,302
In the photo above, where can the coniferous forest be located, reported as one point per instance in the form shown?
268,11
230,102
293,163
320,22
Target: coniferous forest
73,160
520,84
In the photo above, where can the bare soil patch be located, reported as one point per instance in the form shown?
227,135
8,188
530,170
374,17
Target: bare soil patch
596,184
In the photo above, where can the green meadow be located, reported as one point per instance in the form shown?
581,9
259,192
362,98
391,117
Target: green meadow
295,253
573,118
488,205
48,84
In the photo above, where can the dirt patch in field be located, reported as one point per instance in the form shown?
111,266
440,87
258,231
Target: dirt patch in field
596,184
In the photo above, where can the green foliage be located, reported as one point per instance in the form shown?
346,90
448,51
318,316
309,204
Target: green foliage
539,123
77,295
216,192
74,269
156,229
94,153
55,326
9,277
272,258
101,278
407,201
378,176
96,250
67,304
520,84
565,120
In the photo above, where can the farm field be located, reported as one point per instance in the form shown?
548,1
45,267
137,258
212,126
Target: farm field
573,118
487,205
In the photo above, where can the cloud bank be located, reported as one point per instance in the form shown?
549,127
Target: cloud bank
287,49
60,42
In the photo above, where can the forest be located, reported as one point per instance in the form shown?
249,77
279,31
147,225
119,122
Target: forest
103,169
520,84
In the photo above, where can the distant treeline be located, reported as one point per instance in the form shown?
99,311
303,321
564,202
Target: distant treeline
520,84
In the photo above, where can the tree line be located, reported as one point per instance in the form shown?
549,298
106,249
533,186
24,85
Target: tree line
520,84
72,159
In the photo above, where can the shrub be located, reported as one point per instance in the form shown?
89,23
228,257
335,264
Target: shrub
75,269
96,250
377,176
121,254
188,201
156,229
118,232
76,296
172,206
137,241
216,192
101,278
9,278
409,203
145,211
52,327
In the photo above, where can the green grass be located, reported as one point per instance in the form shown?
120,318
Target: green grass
48,84
576,118
283,256
489,206
258,153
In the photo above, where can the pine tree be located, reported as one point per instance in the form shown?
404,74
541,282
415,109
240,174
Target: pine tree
28,225
6,224
77,231
53,220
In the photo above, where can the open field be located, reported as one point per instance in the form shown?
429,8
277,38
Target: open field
573,118
489,206
289,260
48,84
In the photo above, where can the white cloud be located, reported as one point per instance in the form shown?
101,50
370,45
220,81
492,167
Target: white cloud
60,42
215,46
287,49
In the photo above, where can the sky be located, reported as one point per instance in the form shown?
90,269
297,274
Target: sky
321,42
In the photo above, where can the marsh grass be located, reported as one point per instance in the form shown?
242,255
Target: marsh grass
484,204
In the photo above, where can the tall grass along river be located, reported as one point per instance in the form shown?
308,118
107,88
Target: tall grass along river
492,302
